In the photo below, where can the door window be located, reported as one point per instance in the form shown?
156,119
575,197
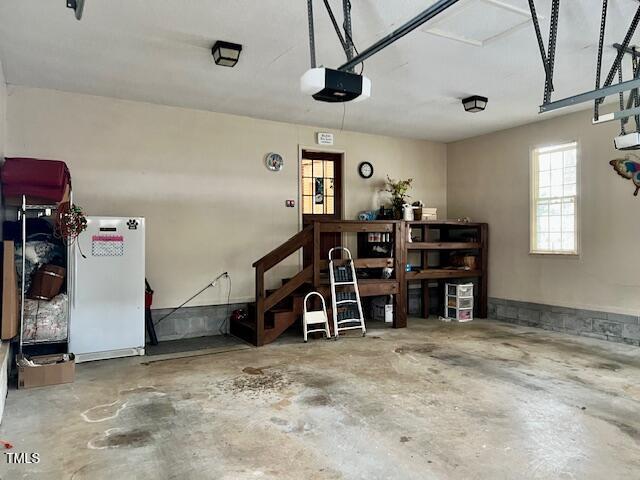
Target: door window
318,195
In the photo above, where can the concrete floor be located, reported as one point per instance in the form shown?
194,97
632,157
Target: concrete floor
481,400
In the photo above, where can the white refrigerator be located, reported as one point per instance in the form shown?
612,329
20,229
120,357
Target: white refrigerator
107,290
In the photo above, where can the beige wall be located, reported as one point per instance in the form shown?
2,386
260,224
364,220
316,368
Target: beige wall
199,179
488,180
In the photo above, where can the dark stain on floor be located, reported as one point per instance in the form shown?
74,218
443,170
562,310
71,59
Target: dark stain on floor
420,348
279,421
625,428
256,384
565,347
253,370
456,360
155,410
317,400
614,367
404,439
321,382
493,368
133,391
133,438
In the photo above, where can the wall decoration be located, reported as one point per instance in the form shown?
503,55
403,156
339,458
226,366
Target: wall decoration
365,169
628,167
274,162
319,191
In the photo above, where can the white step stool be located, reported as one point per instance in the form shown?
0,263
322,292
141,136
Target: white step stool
314,318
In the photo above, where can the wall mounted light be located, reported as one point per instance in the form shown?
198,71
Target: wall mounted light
475,103
226,53
77,6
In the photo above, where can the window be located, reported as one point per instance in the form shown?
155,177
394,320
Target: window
317,187
554,206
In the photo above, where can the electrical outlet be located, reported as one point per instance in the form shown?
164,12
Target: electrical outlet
290,203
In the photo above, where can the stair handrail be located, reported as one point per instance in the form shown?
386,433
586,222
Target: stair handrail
281,252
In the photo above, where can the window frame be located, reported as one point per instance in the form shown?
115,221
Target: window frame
533,199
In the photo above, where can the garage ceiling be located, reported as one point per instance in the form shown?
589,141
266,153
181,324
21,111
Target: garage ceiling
159,51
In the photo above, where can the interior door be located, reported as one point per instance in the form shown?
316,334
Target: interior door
321,180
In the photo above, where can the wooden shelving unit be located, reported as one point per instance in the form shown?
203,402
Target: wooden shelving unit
452,238
276,310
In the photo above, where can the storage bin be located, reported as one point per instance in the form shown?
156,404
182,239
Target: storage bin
42,181
47,282
459,302
465,290
428,214
464,302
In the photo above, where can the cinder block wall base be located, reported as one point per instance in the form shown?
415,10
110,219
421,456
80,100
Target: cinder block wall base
189,322
613,327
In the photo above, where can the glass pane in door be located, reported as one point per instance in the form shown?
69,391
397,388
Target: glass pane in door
318,196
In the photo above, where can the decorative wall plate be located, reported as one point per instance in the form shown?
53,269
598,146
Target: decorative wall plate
274,162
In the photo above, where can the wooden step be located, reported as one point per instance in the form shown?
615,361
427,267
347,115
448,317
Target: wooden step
286,303
245,330
282,320
276,322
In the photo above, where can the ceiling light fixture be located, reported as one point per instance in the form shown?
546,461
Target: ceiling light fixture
475,103
226,53
77,6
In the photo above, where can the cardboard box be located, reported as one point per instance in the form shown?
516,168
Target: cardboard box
10,295
51,370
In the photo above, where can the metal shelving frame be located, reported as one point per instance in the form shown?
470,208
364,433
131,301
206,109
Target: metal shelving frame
43,211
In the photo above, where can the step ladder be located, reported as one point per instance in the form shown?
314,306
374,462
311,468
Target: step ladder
315,319
347,308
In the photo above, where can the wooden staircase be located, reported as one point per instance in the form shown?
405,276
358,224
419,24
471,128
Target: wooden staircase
285,314
276,310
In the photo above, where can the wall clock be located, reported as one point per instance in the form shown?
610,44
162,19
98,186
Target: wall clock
274,162
365,169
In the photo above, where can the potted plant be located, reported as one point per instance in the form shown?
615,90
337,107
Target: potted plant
398,190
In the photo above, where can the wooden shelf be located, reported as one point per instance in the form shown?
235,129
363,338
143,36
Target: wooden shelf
449,240
445,223
440,273
379,262
374,226
443,245
370,287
